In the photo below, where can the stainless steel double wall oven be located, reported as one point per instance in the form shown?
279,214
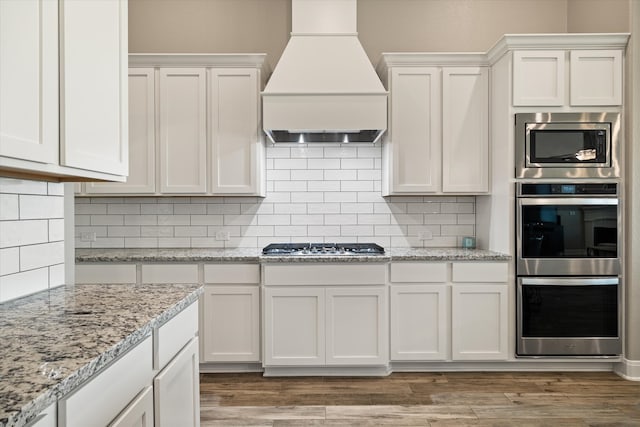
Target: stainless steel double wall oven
568,252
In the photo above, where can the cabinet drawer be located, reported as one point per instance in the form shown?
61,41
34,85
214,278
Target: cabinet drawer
170,273
325,274
480,272
173,335
232,273
106,273
100,400
419,272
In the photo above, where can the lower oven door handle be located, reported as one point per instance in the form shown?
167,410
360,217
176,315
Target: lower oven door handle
571,281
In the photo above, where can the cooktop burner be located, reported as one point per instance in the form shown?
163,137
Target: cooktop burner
323,249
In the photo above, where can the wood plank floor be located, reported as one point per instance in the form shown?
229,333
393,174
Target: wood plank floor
421,399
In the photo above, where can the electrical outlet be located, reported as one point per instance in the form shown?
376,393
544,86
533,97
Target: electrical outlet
425,235
223,235
88,236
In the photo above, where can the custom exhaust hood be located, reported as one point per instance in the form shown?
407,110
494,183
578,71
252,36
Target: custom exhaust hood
324,88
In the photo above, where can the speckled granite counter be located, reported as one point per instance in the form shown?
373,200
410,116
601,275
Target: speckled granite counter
254,255
55,340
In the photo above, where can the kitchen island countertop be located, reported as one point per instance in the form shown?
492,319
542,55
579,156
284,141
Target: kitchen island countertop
255,255
54,341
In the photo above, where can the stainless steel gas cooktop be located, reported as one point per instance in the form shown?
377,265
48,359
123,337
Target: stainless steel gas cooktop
283,249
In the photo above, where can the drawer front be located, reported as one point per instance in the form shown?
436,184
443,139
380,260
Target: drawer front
170,273
232,273
100,400
419,272
175,334
480,272
325,274
106,273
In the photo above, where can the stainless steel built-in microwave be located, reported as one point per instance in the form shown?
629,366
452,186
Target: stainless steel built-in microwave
567,145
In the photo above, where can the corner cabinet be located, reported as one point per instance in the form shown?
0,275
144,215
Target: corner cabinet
194,126
63,113
438,137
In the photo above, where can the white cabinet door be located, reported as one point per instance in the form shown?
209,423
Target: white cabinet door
183,130
139,413
465,129
29,80
357,326
414,143
419,322
596,77
93,85
538,78
294,330
142,135
479,320
231,323
236,145
176,390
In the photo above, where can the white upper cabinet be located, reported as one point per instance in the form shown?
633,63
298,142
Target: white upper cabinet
63,83
93,85
538,77
142,135
236,144
194,126
465,130
568,77
183,130
596,77
438,137
29,80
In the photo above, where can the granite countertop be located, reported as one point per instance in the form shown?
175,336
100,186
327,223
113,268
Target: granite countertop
255,255
55,340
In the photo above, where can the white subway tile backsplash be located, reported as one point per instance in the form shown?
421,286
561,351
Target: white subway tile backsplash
9,207
43,255
23,283
56,230
56,275
108,242
20,186
55,188
36,207
19,233
101,231
9,261
322,193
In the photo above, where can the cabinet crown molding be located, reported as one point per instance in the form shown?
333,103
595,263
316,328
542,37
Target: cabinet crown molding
218,60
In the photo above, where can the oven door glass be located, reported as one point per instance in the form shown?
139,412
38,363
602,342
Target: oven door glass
551,145
569,308
569,228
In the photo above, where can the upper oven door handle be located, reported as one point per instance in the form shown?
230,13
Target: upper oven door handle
573,281
525,201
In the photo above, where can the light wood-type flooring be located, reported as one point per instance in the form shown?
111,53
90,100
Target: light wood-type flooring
422,399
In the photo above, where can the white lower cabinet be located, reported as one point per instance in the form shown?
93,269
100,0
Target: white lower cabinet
176,390
230,314
139,413
343,324
449,311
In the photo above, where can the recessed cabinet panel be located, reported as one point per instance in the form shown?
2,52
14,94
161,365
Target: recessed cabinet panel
538,78
415,134
419,327
183,148
235,140
465,129
142,135
356,331
294,327
93,86
29,80
596,77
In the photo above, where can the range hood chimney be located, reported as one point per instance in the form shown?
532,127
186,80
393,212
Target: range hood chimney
324,88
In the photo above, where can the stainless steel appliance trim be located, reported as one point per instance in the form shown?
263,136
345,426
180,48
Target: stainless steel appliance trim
545,201
590,347
567,266
524,169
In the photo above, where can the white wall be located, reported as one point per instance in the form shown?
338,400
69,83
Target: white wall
315,193
31,237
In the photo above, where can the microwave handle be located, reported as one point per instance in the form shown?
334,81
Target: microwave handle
526,201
